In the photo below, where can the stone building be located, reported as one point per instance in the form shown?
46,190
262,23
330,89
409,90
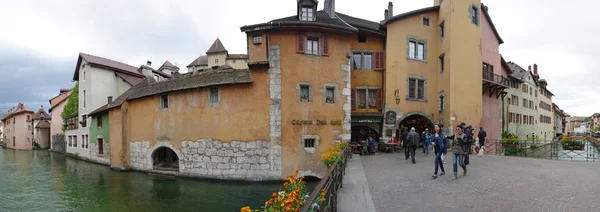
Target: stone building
18,128
217,55
41,128
573,122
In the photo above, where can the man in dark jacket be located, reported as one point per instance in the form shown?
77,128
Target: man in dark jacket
404,138
413,142
481,135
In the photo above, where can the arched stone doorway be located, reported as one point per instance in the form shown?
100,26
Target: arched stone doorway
363,132
165,159
419,121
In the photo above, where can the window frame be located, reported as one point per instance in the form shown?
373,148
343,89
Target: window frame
301,98
474,14
415,42
99,121
442,60
330,99
311,41
441,29
415,92
426,21
214,96
257,39
310,13
164,101
362,60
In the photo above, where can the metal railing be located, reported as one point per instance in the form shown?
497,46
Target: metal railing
331,182
546,149
495,78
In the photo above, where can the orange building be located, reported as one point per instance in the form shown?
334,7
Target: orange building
434,67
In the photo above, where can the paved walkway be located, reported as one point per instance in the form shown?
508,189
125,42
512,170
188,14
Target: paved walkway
493,183
355,194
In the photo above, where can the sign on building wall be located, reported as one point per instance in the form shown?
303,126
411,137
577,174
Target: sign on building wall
366,120
390,117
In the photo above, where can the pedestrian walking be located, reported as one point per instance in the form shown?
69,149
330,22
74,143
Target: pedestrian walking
439,145
458,151
427,142
481,135
404,138
413,142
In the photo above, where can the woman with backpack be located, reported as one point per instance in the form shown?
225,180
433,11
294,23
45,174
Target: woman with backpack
458,151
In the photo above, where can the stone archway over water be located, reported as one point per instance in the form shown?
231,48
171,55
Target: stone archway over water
164,157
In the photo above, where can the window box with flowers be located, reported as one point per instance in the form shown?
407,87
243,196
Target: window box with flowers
571,143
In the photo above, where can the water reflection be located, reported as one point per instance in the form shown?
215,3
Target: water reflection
43,181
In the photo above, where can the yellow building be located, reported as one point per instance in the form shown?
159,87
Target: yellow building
217,55
433,66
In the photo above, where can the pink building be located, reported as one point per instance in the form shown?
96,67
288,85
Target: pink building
41,128
57,104
18,128
495,73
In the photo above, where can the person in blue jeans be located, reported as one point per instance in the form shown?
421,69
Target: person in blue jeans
458,152
427,141
439,144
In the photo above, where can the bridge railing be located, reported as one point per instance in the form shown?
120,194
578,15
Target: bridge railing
589,150
331,183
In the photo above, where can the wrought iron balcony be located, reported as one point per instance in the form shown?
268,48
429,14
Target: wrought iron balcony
490,77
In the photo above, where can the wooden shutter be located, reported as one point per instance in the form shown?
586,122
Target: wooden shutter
300,43
379,60
353,99
379,99
325,47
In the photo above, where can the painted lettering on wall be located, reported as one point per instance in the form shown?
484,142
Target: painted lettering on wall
316,122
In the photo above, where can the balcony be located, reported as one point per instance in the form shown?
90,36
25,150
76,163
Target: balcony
494,84
71,123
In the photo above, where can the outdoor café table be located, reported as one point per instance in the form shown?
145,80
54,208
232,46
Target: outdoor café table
392,145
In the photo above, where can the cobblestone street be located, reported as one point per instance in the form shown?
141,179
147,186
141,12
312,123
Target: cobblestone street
493,183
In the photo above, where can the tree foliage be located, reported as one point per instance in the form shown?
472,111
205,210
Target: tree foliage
72,106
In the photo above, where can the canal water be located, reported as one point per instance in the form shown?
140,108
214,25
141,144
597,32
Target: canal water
44,181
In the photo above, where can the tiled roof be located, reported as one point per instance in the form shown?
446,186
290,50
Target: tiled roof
21,108
360,23
222,75
106,63
168,65
41,115
200,61
410,14
130,79
340,22
58,99
99,110
237,56
216,47
43,124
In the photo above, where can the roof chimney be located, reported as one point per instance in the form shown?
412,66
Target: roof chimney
149,63
110,100
385,15
390,10
330,8
535,69
529,69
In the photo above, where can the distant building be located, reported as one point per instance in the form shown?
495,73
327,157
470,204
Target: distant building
41,128
217,55
573,122
18,128
528,108
560,120
595,122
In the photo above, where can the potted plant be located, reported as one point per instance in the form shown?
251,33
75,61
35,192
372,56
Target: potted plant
510,143
571,143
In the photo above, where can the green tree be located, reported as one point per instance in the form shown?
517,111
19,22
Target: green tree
72,106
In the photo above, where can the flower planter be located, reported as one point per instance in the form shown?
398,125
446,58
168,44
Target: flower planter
578,147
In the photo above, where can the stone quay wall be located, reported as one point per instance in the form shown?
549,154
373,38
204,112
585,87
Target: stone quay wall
207,158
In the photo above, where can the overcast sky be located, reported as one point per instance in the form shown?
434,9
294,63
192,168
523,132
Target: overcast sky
40,40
